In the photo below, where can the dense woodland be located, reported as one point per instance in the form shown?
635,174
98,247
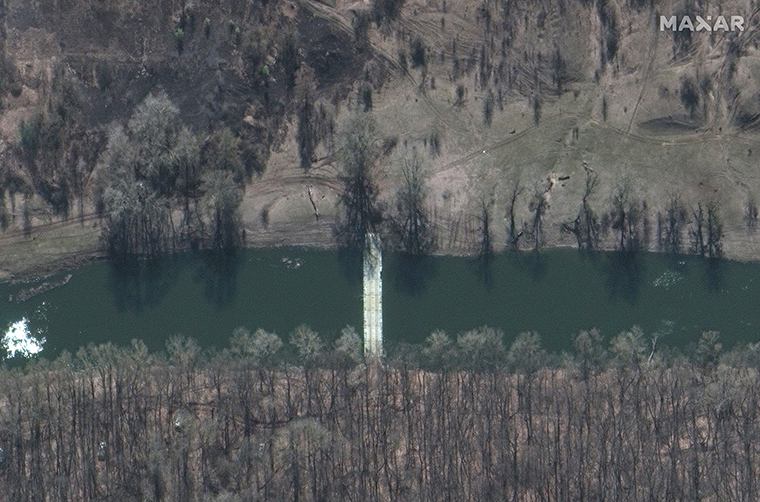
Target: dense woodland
462,418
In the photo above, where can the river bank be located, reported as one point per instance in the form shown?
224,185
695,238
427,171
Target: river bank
65,246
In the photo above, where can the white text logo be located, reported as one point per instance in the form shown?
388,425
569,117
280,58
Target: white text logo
701,24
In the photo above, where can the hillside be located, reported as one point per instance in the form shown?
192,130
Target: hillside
544,93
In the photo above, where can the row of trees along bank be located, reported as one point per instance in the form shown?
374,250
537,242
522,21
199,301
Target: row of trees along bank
454,419
159,186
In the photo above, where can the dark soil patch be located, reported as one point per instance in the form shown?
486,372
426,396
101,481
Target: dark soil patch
332,53
668,125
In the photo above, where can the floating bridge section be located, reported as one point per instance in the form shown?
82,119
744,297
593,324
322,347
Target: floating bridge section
373,297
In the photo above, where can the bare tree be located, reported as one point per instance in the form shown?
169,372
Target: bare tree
696,232
538,206
629,217
361,212
714,230
585,227
221,200
513,233
671,226
706,230
751,214
306,132
488,105
485,247
411,224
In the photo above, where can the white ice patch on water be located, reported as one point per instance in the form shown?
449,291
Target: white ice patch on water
667,279
19,340
291,263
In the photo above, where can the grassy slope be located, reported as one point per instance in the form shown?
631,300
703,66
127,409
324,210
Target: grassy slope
646,136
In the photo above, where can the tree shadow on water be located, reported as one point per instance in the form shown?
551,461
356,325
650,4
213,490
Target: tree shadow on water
536,264
484,269
714,275
625,275
218,271
411,273
351,265
137,283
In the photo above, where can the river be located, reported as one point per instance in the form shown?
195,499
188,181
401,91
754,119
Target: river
556,293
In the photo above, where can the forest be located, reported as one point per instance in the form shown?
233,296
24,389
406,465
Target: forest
455,418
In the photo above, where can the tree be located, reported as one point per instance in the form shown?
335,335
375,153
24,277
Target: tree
689,95
418,51
411,224
538,206
559,71
526,357
629,217
751,213
696,232
365,96
670,229
525,353
386,10
514,234
221,201
187,156
628,347
361,212
488,104
348,346
585,227
261,346
707,349
485,247
609,38
298,446
714,231
306,132
152,131
481,349
136,221
537,102
307,342
436,350
706,230
589,352
224,155
145,169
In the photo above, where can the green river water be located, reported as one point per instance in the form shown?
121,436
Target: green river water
556,293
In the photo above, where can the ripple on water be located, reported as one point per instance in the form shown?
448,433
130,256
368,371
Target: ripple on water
18,340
